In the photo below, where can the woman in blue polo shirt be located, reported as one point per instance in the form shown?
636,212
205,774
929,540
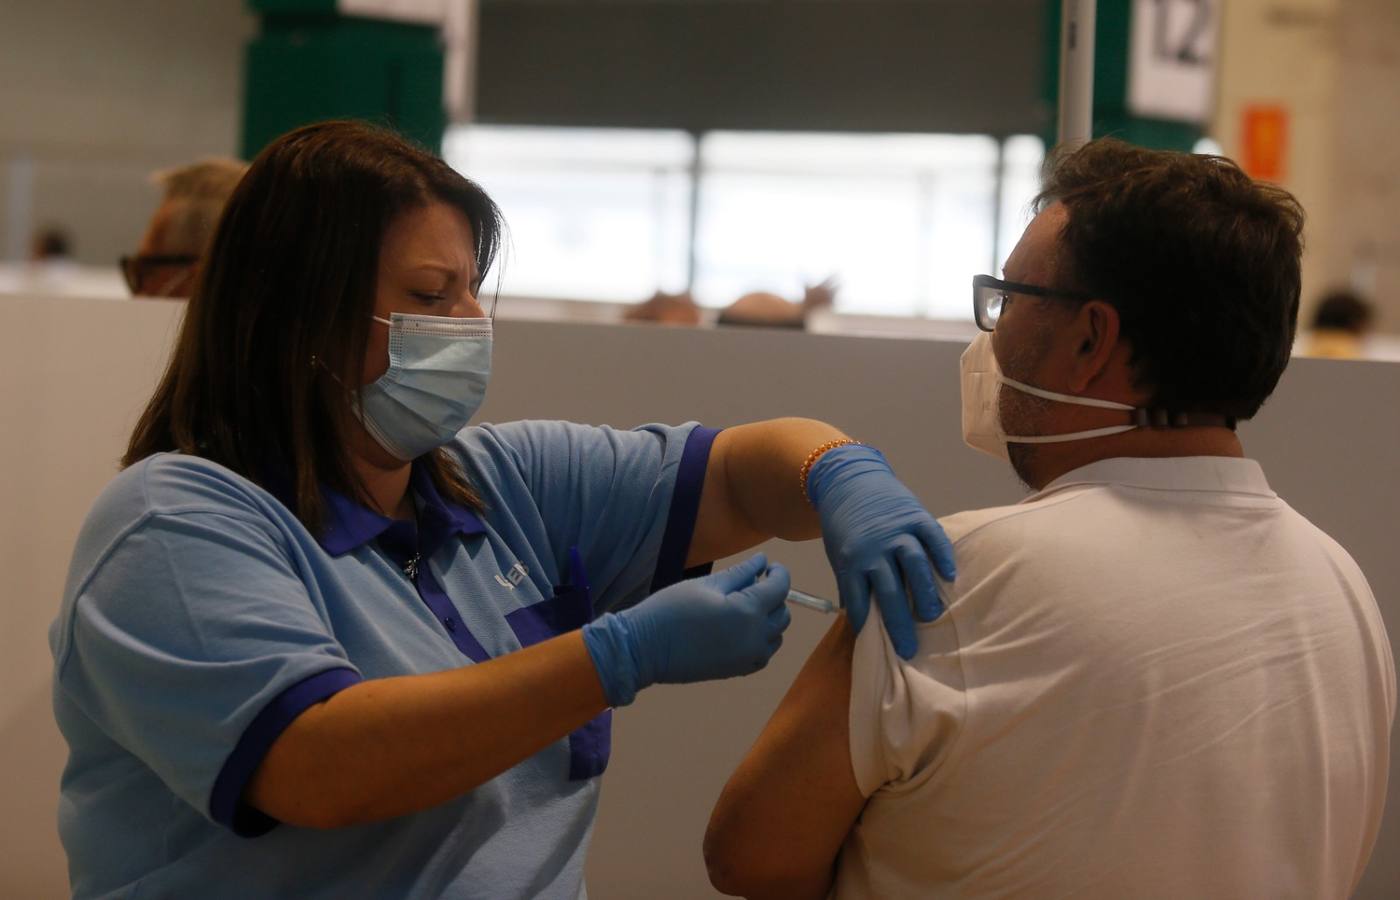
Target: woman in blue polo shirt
322,639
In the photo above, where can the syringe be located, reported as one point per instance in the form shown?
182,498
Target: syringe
807,600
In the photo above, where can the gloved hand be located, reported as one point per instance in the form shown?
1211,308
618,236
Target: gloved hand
879,539
719,626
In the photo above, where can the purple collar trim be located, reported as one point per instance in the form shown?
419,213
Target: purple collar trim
349,525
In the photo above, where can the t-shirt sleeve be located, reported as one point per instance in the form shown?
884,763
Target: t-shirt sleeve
627,500
905,717
193,644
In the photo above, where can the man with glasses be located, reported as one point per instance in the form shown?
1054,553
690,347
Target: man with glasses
165,263
1153,677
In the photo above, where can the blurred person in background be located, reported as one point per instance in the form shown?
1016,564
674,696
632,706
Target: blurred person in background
50,266
1154,678
181,227
51,245
771,311
1339,326
665,309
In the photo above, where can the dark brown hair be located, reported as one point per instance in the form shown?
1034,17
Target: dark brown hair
279,319
1201,262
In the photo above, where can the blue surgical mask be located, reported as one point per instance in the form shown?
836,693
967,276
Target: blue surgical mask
439,367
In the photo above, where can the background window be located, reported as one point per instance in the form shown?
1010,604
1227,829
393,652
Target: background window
895,219
901,222
593,214
1022,157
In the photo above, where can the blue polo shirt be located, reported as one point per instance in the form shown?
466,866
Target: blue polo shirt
201,617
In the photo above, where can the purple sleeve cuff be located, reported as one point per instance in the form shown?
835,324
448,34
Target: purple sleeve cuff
685,505
226,805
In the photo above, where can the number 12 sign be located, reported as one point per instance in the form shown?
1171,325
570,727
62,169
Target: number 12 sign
1171,68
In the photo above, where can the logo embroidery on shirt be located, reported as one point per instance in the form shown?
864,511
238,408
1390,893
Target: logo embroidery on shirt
516,575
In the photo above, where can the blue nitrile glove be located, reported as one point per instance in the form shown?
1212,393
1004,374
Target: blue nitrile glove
719,626
879,539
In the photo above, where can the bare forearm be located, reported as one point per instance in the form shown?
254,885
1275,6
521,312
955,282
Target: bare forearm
762,462
752,490
391,746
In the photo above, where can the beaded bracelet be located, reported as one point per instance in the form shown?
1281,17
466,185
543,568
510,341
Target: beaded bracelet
816,455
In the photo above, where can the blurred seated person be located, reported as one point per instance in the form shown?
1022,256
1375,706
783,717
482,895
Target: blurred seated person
50,266
51,245
665,309
771,311
1339,326
1153,677
180,229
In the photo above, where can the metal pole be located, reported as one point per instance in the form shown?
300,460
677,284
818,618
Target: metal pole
459,31
1076,120
19,208
998,197
692,251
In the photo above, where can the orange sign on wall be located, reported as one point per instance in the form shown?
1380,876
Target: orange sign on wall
1265,142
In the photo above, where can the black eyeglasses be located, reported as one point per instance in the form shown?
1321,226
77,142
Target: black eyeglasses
135,268
991,295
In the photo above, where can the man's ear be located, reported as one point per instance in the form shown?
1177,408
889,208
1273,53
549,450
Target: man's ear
1095,331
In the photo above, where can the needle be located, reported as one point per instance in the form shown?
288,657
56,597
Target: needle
801,598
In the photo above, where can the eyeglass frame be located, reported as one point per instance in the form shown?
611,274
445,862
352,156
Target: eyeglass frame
979,310
132,275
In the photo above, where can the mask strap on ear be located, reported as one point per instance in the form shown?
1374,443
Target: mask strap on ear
384,321
1064,398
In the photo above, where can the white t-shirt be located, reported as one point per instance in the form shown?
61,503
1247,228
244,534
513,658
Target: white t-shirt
1153,679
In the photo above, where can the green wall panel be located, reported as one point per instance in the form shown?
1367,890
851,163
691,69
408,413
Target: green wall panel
305,68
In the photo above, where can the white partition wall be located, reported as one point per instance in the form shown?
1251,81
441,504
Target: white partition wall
78,372
74,373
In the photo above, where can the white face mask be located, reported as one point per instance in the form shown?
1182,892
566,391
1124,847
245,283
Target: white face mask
981,419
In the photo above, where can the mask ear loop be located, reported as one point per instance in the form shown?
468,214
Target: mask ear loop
1065,398
1071,436
1078,401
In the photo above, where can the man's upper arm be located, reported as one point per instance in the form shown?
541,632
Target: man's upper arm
857,718
782,818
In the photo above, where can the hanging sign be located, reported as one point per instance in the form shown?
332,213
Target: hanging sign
1171,59
1264,142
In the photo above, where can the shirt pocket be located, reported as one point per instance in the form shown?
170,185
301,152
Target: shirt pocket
570,607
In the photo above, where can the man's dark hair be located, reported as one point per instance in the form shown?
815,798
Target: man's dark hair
1342,311
279,321
1201,262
